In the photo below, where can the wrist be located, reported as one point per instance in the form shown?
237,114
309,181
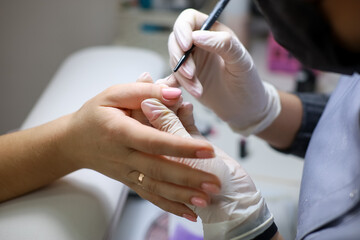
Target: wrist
64,136
287,123
264,117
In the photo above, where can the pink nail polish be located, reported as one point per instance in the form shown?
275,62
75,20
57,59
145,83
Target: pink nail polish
171,93
198,202
210,188
205,154
189,217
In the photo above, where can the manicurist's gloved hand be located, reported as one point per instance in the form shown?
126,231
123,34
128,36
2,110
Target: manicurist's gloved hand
238,211
221,74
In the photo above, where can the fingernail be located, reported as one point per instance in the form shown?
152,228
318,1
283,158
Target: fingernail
189,217
198,202
205,154
210,188
171,93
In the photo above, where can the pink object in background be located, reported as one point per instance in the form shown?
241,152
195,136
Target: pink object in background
279,59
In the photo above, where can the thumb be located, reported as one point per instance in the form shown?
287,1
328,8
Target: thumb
163,118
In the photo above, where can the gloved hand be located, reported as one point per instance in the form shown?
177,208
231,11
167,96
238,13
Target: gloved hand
221,74
238,210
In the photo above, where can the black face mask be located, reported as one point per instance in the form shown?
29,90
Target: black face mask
300,27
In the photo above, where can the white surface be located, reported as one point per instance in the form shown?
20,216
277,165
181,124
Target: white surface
82,204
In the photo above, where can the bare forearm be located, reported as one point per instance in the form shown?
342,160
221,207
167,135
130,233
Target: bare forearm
31,159
277,237
282,131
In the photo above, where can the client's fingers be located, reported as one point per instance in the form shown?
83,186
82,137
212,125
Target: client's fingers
137,113
149,140
168,81
145,78
176,208
169,191
165,170
130,96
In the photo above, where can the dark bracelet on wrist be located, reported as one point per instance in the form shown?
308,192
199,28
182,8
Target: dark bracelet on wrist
268,234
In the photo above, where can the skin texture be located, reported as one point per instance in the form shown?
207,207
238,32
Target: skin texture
104,137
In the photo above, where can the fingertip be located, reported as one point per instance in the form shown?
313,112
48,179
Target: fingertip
182,32
145,77
210,188
189,217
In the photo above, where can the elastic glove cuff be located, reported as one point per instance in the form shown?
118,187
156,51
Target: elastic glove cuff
270,113
240,228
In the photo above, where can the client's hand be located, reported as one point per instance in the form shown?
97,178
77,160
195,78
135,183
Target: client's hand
103,136
239,209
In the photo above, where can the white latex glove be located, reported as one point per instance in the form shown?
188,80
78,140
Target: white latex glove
238,211
221,74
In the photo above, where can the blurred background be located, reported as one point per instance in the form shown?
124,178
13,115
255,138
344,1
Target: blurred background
36,36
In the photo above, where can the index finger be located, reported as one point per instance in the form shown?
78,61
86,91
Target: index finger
130,96
187,22
150,140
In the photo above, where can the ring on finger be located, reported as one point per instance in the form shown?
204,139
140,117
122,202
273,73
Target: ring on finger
141,178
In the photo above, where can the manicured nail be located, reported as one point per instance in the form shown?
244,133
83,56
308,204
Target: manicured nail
205,154
210,188
198,202
189,217
171,93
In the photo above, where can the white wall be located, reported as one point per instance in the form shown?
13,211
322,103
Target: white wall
35,37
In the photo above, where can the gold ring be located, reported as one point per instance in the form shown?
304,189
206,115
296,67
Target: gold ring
141,178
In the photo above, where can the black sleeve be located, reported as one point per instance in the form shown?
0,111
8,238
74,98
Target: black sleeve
313,107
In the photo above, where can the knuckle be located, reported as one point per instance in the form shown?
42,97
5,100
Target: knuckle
187,181
155,171
181,197
189,12
227,42
152,187
152,147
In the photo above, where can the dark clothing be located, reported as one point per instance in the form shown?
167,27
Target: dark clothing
301,27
